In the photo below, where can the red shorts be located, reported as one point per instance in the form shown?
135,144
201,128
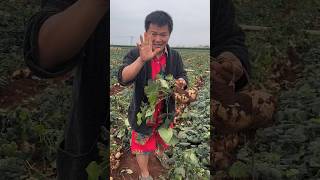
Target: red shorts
142,144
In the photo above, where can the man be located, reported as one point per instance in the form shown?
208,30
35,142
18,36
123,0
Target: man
151,57
66,35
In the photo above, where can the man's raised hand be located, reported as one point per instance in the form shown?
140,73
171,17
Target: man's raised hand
145,48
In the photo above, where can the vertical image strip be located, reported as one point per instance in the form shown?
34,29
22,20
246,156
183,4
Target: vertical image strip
159,90
267,128
64,130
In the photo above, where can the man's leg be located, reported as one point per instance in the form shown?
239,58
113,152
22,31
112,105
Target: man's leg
142,160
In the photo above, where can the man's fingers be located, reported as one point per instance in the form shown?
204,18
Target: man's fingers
233,69
227,66
146,38
233,66
218,79
156,51
141,39
216,66
180,83
219,70
150,41
226,75
138,46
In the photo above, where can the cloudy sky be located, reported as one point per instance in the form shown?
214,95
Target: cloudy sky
191,20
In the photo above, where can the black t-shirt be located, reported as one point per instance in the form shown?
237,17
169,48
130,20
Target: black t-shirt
227,35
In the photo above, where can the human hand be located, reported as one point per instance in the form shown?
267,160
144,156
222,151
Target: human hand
227,68
145,48
180,83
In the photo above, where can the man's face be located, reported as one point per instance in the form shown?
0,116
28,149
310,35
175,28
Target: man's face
160,36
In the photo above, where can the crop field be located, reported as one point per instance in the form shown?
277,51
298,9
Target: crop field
285,63
190,155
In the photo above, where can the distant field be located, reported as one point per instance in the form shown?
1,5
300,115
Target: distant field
196,60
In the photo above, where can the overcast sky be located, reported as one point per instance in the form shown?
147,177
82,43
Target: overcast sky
191,20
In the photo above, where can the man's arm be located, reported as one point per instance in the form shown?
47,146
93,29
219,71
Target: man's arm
63,35
182,79
130,70
228,44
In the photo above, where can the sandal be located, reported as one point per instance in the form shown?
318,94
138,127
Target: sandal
145,178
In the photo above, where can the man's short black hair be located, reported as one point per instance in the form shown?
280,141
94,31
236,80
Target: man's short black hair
159,18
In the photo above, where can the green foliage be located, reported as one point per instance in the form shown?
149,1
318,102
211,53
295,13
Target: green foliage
32,132
4,81
100,170
190,136
290,148
166,134
14,15
191,153
12,168
239,170
159,89
93,170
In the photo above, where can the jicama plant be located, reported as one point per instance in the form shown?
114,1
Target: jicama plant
162,89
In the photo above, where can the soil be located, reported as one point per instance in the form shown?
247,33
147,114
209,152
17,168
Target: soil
20,89
128,161
117,88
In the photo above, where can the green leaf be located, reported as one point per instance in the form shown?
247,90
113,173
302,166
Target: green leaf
239,170
169,77
166,134
126,122
8,149
316,120
180,171
23,115
152,98
93,170
169,118
194,159
173,141
39,129
151,88
139,118
121,133
164,84
149,113
184,115
190,157
292,173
